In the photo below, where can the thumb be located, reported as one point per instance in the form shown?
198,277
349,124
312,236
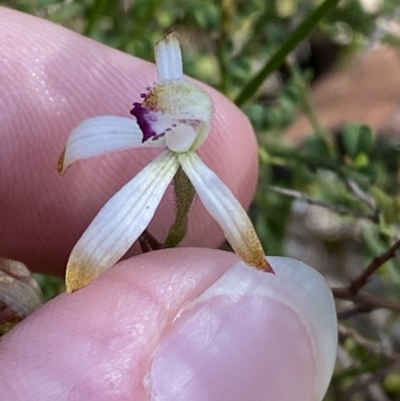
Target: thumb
188,324
250,336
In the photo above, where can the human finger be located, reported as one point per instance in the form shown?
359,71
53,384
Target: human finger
177,325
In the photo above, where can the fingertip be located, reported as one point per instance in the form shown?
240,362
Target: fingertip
251,335
97,343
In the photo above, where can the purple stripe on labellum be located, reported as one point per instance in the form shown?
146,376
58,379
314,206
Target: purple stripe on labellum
144,119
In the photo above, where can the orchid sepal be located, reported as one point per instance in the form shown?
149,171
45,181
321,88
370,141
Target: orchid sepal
225,209
120,222
168,57
99,135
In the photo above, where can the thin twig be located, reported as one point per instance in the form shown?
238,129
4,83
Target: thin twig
366,298
338,209
374,347
353,311
320,163
375,264
364,196
377,393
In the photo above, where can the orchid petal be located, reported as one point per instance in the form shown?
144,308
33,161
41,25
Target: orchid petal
120,222
168,58
225,209
100,135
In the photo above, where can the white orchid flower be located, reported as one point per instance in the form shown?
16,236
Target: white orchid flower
175,114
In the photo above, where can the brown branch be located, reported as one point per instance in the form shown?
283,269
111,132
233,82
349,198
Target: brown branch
375,264
353,311
374,347
367,299
377,393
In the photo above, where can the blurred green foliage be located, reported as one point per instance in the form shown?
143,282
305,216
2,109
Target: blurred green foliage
50,285
226,44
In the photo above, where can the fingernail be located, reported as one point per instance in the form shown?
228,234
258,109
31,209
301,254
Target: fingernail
250,336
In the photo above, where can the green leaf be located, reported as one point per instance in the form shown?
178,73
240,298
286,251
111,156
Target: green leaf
351,138
317,146
361,161
392,383
389,205
358,139
366,140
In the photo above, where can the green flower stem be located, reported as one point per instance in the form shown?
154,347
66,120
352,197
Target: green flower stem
184,197
301,32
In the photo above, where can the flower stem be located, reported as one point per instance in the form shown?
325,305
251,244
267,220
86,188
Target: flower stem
184,197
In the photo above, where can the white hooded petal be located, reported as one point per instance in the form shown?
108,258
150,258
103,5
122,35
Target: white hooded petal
171,105
120,222
225,209
100,135
168,58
